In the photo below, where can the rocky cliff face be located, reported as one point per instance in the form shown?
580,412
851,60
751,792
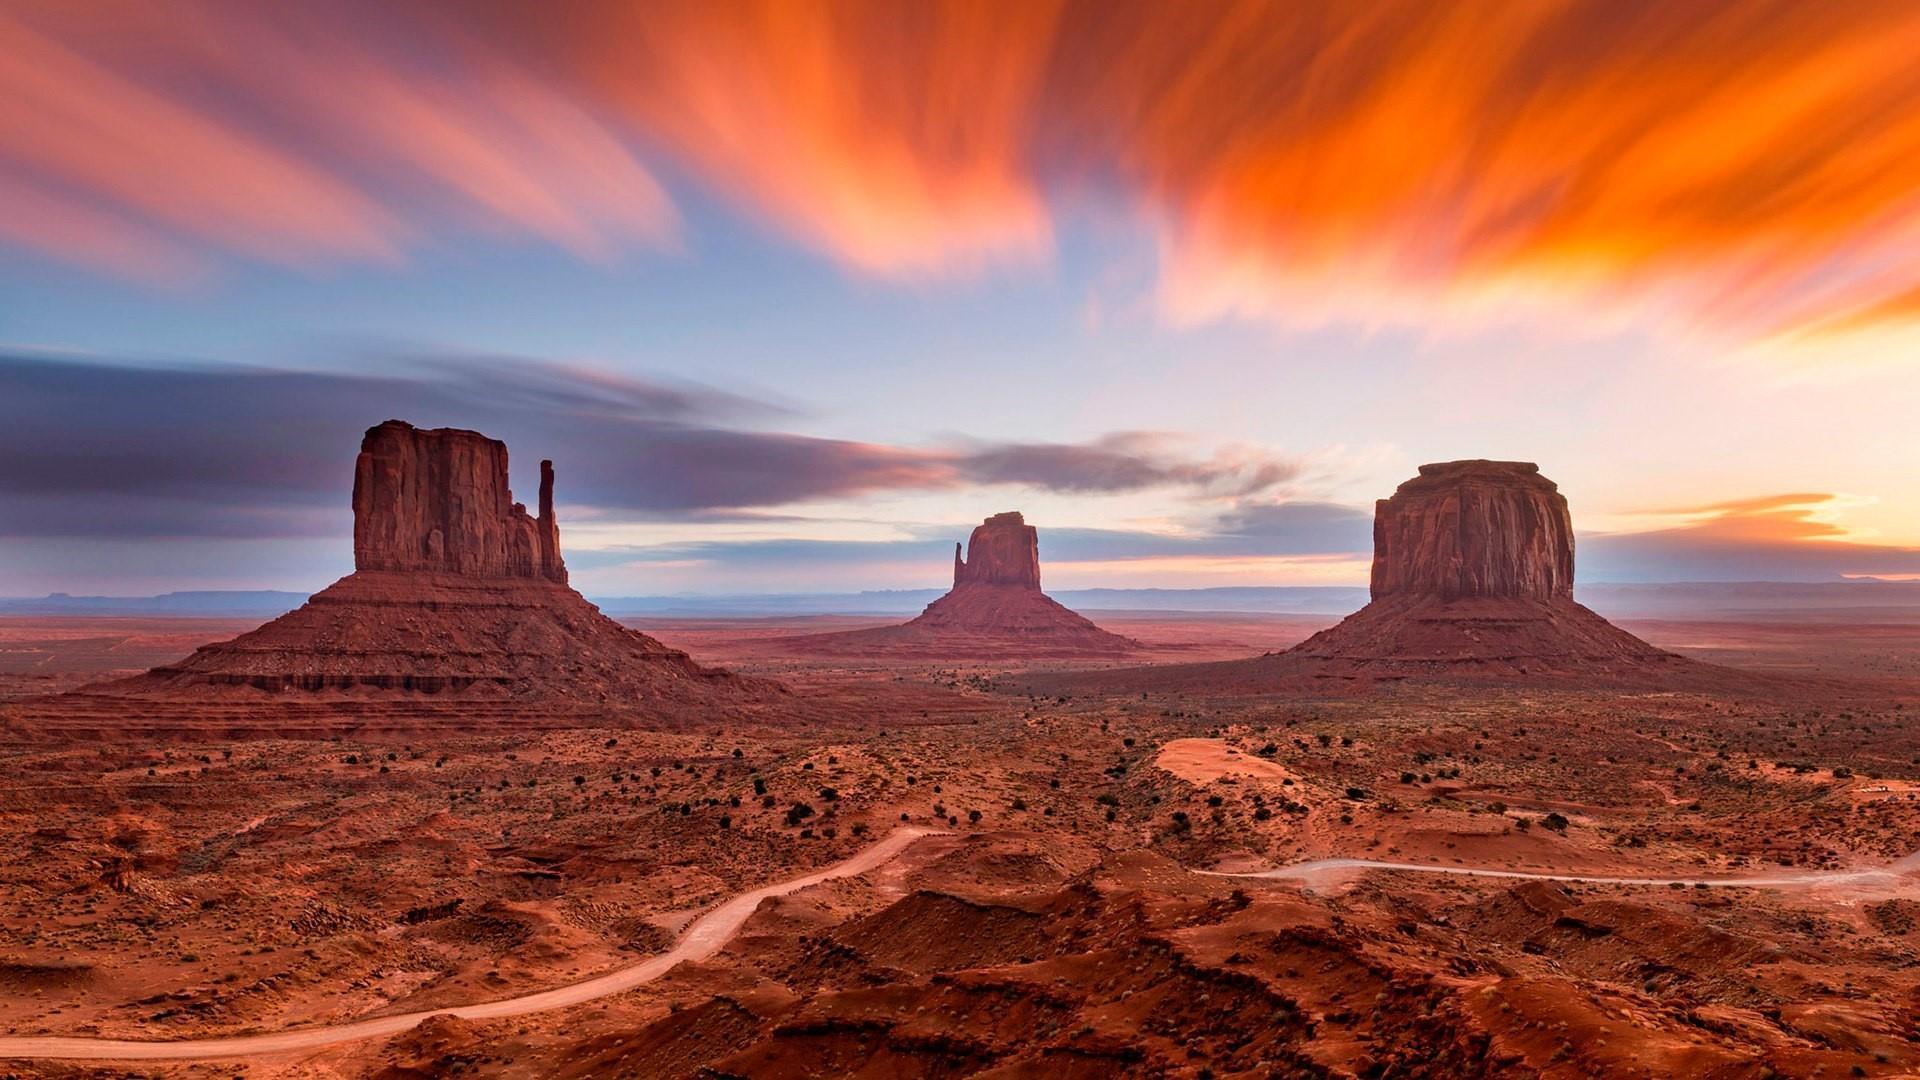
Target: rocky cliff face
437,500
1003,550
1466,529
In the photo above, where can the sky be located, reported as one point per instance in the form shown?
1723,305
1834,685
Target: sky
794,294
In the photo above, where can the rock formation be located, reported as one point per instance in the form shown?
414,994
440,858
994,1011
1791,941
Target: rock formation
1474,528
437,501
1473,573
1003,550
456,590
1472,580
995,609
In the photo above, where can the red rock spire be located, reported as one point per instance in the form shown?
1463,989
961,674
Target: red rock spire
551,566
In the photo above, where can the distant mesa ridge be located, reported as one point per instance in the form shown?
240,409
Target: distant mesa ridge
456,588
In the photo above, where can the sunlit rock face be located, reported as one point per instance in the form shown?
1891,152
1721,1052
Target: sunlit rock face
1003,550
1473,575
1474,529
437,500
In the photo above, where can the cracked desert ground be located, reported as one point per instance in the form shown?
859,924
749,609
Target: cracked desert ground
1079,894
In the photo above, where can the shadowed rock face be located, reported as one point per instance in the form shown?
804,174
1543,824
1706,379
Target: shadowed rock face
437,500
1003,550
1465,529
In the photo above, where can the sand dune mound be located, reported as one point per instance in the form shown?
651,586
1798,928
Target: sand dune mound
995,610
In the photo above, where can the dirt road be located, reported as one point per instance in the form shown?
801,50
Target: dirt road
703,938
1325,868
707,934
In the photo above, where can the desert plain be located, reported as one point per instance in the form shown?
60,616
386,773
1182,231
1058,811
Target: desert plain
1084,882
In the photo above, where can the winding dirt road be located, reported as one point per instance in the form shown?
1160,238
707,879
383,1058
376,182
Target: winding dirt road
703,938
1323,868
707,934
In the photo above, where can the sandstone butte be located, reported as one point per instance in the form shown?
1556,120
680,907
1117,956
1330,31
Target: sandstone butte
1473,574
456,590
1472,579
995,610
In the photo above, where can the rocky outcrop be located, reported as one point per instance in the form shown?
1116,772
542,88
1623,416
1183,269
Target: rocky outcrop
1474,529
436,500
457,590
1003,550
1472,580
995,610
1473,575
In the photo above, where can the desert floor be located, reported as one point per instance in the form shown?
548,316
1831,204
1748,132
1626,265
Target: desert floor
1200,885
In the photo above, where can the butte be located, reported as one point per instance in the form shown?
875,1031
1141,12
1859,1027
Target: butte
1472,581
457,595
1473,574
995,610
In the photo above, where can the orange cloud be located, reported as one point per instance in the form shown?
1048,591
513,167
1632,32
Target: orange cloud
1787,537
104,145
1314,162
1785,519
894,136
1741,166
151,133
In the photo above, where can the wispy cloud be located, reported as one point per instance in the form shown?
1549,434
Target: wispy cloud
1786,537
221,451
1746,168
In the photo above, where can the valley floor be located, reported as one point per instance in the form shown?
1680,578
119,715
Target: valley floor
1699,885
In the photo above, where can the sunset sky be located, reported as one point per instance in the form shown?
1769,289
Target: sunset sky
795,293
